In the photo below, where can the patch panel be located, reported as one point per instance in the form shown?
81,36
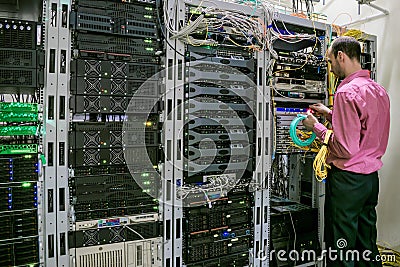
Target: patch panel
284,115
300,58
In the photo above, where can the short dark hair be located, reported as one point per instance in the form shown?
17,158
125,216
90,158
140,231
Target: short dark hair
348,45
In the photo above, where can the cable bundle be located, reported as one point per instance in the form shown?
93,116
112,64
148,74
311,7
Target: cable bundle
320,166
293,132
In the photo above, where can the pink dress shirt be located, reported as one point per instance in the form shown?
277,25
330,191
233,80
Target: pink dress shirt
360,122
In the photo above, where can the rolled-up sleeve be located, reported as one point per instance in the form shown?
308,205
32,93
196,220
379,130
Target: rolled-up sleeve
345,140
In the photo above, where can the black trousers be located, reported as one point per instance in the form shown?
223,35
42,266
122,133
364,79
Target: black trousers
350,218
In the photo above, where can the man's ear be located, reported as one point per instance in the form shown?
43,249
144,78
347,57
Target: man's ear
340,56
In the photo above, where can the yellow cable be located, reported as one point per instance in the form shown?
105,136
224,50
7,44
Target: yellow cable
320,166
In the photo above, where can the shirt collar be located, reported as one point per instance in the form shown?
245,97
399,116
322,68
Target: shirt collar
357,74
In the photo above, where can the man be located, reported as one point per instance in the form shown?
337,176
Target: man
360,122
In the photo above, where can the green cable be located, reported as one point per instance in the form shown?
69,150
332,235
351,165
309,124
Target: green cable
293,133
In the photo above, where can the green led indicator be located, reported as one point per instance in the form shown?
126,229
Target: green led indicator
148,8
155,208
28,156
104,161
145,174
148,16
149,49
241,202
26,185
148,41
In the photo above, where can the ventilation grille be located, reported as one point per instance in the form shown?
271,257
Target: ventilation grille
103,258
141,253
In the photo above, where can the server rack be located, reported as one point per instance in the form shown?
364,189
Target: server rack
132,52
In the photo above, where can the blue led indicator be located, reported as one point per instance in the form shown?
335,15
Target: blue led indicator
225,234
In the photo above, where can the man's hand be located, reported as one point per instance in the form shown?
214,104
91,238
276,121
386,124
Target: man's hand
309,122
320,109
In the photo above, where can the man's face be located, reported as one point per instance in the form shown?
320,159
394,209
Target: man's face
335,65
